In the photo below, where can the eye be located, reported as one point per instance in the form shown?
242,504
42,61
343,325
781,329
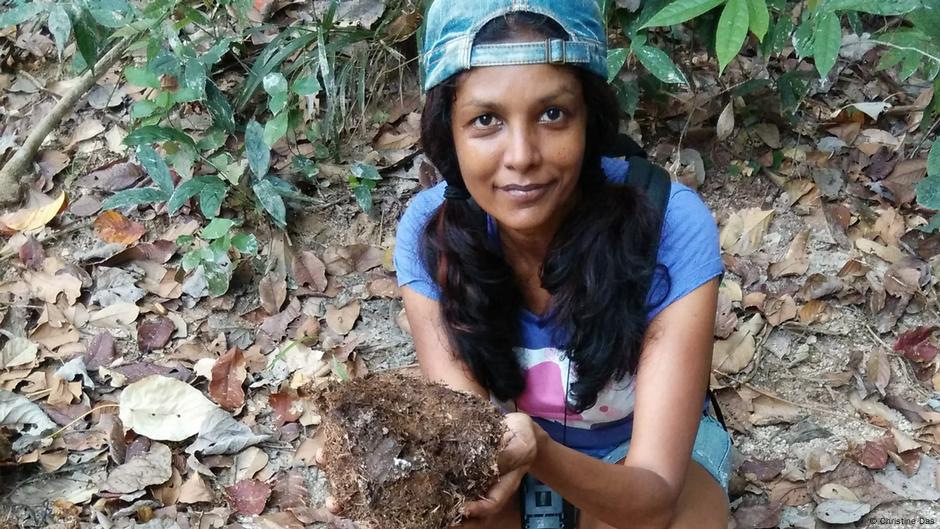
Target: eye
553,115
484,121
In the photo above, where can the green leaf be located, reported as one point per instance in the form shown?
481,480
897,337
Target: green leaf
363,197
258,152
909,64
628,96
828,41
184,192
195,257
777,37
928,192
154,133
211,196
165,63
218,276
194,77
793,87
143,109
86,39
306,86
615,60
933,226
220,108
245,243
275,128
680,11
20,14
933,160
803,39
141,77
134,197
182,160
659,64
759,17
276,86
60,25
732,30
271,201
218,227
156,168
364,171
216,52
874,7
214,138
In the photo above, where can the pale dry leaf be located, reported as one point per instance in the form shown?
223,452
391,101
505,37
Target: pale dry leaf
249,462
725,122
771,410
342,320
152,468
835,491
19,413
164,408
51,163
922,486
273,292
903,441
795,262
769,133
37,213
115,316
194,490
890,254
841,511
220,433
725,318
744,231
85,130
18,351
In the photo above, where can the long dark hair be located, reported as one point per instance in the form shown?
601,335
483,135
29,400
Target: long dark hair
597,269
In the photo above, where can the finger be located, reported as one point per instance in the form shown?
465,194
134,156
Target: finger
331,505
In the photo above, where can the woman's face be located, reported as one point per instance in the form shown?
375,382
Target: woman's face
519,132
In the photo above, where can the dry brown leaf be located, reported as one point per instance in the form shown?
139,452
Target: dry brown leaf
115,316
771,410
734,354
779,310
51,163
725,122
769,133
795,262
154,333
342,320
814,311
905,177
725,318
890,226
878,370
273,292
249,496
249,462
791,493
308,269
228,375
383,287
835,491
38,211
112,227
890,254
285,411
744,231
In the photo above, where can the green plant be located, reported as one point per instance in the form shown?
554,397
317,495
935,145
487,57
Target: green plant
928,189
211,252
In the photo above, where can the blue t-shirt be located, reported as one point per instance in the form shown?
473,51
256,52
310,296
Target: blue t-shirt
688,249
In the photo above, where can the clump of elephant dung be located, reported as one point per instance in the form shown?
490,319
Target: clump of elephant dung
406,454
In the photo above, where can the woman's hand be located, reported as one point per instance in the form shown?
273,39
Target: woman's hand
519,451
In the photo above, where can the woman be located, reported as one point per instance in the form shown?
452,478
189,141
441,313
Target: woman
526,278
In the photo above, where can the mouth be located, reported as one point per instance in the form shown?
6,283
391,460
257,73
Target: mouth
526,192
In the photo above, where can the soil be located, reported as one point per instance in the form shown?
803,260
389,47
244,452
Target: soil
406,453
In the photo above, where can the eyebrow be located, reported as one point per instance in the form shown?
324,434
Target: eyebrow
541,101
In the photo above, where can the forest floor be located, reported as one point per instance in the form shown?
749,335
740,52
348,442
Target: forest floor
825,363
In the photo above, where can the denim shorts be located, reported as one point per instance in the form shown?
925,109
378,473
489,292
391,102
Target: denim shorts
712,450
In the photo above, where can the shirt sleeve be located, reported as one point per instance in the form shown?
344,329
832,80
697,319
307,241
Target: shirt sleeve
689,249
409,264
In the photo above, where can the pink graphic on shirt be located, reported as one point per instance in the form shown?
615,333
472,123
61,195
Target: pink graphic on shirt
544,393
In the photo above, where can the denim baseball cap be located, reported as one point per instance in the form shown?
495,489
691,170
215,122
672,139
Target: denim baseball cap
451,26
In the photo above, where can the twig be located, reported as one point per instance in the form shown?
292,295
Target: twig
11,174
80,417
810,329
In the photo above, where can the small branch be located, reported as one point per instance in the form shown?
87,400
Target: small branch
80,417
12,172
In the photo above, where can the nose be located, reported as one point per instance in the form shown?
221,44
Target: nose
522,152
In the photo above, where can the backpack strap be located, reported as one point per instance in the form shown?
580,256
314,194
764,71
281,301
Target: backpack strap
657,184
